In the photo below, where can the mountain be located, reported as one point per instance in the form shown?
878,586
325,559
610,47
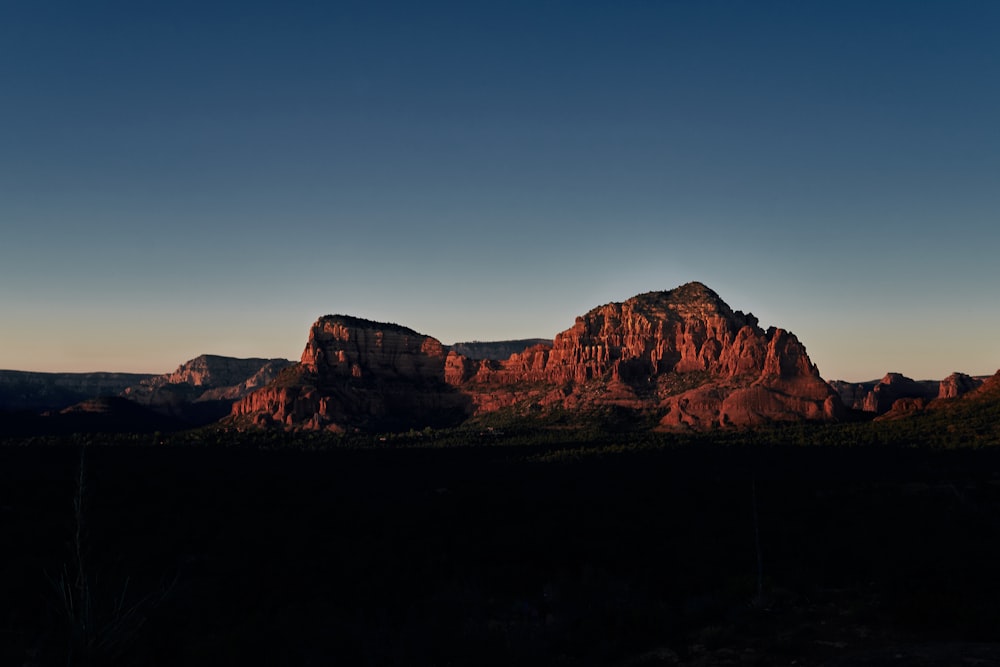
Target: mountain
209,377
356,373
988,391
203,389
972,417
36,392
199,392
677,359
880,396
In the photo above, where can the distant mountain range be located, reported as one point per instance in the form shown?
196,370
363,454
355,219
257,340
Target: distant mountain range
199,392
880,397
677,359
37,392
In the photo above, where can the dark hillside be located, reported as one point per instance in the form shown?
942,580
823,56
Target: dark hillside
500,556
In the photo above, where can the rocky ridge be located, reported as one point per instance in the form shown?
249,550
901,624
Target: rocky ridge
966,407
34,391
682,358
683,355
881,396
355,373
203,389
205,378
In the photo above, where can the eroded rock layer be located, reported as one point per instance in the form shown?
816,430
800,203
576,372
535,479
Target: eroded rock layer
681,357
208,377
355,373
203,389
881,396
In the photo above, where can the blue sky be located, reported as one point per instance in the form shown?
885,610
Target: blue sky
179,178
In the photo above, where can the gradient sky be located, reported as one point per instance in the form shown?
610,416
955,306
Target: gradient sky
179,178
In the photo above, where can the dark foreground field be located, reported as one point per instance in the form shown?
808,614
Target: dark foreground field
499,556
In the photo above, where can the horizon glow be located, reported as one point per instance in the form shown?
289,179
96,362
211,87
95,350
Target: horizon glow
186,180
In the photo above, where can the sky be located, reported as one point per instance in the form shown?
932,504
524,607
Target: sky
180,178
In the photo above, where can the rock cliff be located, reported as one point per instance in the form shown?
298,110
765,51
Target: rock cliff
895,386
986,390
207,377
880,396
973,410
958,384
356,373
203,389
681,357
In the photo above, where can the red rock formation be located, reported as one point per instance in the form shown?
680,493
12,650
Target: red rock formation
895,386
682,356
852,394
902,408
341,346
987,389
358,373
986,393
202,390
957,384
880,397
207,377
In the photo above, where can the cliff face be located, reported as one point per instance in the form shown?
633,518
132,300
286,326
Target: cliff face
203,389
683,357
894,387
202,379
958,384
206,378
683,354
880,397
979,397
348,347
358,373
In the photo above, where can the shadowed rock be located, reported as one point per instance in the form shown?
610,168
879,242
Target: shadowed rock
897,394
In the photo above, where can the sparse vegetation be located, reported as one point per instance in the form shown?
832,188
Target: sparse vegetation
102,616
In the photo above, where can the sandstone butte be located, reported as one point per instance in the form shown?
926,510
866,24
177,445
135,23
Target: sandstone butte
678,359
882,396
